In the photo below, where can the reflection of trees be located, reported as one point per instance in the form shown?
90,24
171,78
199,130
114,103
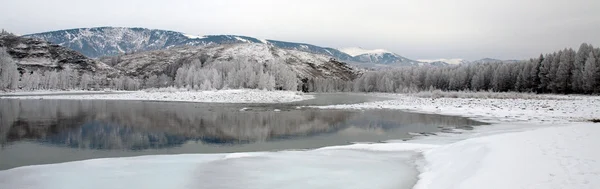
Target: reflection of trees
143,125
139,125
8,114
386,120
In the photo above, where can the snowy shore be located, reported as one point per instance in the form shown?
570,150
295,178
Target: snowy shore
220,96
551,109
532,143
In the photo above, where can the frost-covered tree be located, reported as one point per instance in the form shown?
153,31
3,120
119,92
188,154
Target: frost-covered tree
67,79
86,82
236,73
591,74
9,75
152,82
544,73
164,81
563,73
578,67
30,81
51,79
553,85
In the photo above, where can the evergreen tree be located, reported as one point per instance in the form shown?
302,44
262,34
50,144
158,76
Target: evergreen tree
591,73
578,67
563,73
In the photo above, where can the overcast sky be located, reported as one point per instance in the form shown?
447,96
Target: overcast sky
417,29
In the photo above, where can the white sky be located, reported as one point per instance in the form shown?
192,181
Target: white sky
417,29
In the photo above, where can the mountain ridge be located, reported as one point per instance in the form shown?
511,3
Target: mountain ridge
109,41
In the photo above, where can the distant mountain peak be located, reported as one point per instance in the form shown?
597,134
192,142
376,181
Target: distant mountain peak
356,51
453,61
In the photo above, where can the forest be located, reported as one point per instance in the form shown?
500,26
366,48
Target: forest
563,72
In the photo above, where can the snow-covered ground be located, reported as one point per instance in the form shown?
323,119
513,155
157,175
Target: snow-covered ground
532,143
53,92
549,109
220,96
552,157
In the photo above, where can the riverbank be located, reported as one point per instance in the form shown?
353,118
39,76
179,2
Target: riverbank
219,96
543,142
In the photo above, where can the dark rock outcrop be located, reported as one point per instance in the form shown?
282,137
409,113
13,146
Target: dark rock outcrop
35,54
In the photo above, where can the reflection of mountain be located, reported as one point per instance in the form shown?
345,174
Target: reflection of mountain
135,125
139,125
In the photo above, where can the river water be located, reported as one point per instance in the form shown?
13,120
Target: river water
53,131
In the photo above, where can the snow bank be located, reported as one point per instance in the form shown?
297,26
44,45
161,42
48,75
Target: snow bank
534,143
288,169
554,110
221,96
556,157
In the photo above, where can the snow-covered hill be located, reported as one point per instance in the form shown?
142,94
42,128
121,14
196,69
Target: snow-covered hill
380,56
306,65
458,61
491,60
110,41
455,61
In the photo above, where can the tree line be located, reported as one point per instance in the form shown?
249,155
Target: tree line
193,75
565,71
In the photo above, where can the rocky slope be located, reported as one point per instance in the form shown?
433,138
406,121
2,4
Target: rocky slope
34,54
109,41
306,65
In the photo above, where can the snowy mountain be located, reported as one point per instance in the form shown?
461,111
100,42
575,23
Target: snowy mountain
110,41
491,60
33,54
306,65
455,61
380,56
458,61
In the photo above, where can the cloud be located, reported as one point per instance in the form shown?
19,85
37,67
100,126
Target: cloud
471,29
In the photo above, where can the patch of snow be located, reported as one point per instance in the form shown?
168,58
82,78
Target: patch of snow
264,41
37,61
454,61
221,96
241,39
194,36
356,51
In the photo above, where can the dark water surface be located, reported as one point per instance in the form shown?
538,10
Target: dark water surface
52,131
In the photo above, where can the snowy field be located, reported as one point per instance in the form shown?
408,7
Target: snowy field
220,96
546,109
532,143
545,142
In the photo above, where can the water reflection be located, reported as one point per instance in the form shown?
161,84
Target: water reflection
141,125
44,131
